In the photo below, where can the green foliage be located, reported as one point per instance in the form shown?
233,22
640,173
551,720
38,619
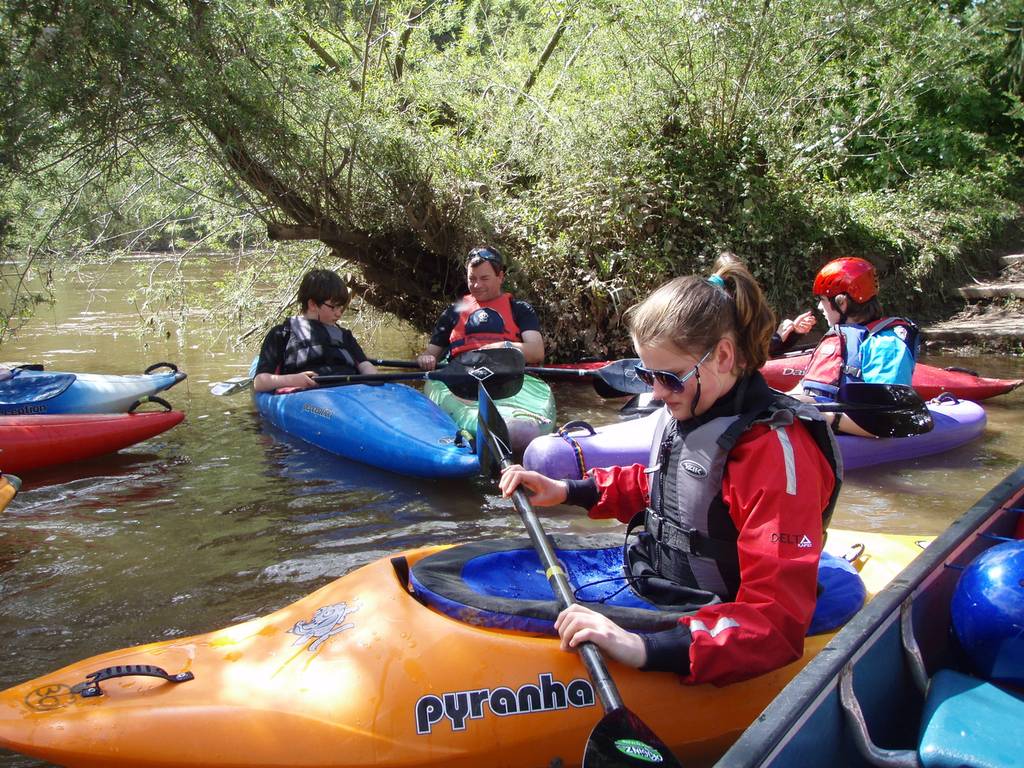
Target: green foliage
606,146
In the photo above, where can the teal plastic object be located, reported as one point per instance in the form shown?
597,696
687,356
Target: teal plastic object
970,723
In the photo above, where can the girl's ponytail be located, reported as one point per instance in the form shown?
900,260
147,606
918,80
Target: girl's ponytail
693,313
755,320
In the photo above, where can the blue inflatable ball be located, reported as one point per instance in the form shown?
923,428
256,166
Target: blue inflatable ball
988,612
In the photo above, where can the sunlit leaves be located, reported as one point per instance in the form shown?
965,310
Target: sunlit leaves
607,144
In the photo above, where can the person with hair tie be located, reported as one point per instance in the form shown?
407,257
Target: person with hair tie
729,520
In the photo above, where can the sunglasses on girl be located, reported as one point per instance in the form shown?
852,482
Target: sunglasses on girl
671,381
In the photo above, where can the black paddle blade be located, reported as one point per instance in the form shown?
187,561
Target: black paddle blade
622,739
499,370
639,406
619,379
900,410
606,390
493,445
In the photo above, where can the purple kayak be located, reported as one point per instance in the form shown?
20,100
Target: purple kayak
629,442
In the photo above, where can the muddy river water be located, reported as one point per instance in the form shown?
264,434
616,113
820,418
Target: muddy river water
219,520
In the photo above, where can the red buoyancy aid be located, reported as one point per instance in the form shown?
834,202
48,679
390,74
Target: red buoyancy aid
837,357
483,324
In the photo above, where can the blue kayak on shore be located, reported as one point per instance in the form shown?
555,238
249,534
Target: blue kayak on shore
27,392
391,426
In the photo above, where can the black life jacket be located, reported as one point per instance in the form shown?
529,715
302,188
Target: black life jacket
687,552
318,347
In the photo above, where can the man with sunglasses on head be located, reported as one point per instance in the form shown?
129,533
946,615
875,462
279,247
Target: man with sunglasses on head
731,510
486,318
311,343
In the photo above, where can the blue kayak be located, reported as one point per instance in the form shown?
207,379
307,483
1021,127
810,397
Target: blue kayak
389,425
25,392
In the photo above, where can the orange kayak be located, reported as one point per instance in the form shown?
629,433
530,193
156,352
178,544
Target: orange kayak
9,486
361,673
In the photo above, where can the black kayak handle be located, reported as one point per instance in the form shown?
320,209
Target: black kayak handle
157,366
569,426
150,399
91,685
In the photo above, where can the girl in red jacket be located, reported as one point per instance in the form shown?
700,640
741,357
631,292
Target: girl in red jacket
729,521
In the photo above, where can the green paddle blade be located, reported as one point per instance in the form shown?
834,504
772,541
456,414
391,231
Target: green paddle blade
621,739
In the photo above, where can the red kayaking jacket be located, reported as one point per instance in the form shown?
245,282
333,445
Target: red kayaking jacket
764,627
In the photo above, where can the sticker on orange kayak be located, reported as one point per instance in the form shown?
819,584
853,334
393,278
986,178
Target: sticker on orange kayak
460,706
326,623
46,698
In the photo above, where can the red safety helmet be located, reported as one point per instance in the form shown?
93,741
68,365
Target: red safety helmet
850,275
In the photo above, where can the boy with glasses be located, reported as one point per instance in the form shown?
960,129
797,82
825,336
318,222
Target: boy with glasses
311,343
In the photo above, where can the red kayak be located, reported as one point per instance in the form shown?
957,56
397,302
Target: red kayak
785,372
34,442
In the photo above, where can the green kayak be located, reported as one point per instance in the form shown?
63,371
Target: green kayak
529,413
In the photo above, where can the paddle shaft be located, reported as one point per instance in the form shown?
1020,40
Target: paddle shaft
653,405
365,378
856,407
501,370
578,372
620,738
235,385
540,371
395,363
355,378
614,379
591,655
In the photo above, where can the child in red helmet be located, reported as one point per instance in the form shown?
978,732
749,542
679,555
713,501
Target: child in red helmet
861,343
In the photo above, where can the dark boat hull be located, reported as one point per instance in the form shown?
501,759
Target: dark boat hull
806,724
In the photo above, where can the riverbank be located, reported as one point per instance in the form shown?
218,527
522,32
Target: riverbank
992,319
